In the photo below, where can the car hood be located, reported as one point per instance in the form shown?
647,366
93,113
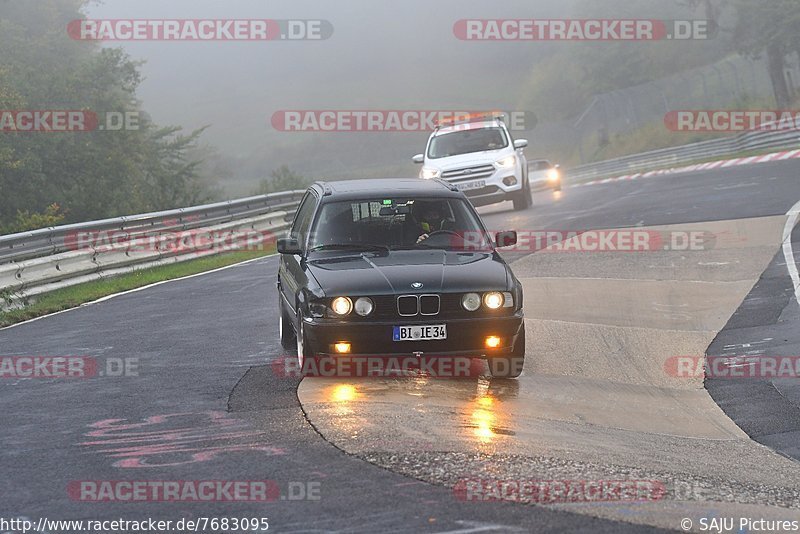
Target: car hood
468,160
395,271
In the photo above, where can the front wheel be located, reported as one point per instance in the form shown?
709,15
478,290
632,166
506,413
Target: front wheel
305,352
285,328
510,366
522,199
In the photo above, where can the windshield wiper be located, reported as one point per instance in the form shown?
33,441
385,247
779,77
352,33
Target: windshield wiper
350,246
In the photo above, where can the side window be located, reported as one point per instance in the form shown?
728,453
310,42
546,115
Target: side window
302,220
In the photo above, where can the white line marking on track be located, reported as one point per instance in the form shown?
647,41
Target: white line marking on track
788,253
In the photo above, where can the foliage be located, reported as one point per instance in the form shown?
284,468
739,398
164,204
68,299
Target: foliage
52,215
89,174
282,179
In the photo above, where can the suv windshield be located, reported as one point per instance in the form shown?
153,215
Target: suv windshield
397,223
466,141
541,165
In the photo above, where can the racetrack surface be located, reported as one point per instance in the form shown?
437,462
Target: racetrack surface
594,403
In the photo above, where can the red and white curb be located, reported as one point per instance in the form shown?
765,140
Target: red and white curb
776,156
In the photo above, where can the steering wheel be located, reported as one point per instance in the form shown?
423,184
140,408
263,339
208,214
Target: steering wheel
430,235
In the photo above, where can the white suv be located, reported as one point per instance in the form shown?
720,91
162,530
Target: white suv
481,158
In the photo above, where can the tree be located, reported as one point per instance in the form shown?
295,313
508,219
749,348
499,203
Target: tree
89,174
773,28
282,179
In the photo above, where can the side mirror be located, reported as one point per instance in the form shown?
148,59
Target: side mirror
520,143
557,166
288,245
506,239
419,158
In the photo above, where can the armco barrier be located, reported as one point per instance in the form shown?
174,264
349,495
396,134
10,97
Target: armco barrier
665,157
41,260
35,262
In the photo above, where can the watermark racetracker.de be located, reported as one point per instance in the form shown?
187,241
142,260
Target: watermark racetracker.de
582,30
200,30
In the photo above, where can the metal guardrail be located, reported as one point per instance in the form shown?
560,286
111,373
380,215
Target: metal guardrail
41,260
680,155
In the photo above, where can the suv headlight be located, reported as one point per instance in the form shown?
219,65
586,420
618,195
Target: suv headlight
429,173
342,306
507,163
552,175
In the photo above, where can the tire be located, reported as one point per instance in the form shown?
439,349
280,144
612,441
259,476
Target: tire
285,328
510,366
557,189
305,351
522,200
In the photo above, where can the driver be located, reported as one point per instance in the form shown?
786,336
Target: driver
431,220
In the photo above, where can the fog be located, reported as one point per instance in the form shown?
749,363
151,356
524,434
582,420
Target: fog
381,56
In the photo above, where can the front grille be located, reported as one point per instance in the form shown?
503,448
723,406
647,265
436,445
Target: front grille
429,305
468,173
408,305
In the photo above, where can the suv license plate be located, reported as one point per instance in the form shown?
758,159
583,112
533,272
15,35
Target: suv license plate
471,185
420,333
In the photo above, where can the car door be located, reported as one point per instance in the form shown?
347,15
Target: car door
291,274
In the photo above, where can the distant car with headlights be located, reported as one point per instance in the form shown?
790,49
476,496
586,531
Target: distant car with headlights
480,157
397,268
545,175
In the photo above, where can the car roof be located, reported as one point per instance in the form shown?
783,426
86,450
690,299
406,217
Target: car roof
355,189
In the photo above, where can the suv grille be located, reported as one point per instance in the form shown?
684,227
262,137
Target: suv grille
468,173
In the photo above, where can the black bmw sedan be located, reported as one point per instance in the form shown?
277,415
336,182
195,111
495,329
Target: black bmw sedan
388,268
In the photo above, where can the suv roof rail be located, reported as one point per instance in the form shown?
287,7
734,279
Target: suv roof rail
448,185
466,118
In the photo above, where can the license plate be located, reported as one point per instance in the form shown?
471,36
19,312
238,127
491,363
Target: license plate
420,333
471,185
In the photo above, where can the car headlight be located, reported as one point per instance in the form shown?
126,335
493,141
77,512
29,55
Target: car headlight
508,162
471,301
364,306
493,300
553,175
342,305
429,173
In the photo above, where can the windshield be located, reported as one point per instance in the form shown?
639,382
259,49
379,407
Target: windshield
541,165
397,223
467,141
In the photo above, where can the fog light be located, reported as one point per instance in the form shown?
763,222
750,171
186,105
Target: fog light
492,342
342,347
510,180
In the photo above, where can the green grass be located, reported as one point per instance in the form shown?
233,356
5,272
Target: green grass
74,296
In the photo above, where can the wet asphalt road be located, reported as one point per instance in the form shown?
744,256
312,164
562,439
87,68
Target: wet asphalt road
202,405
